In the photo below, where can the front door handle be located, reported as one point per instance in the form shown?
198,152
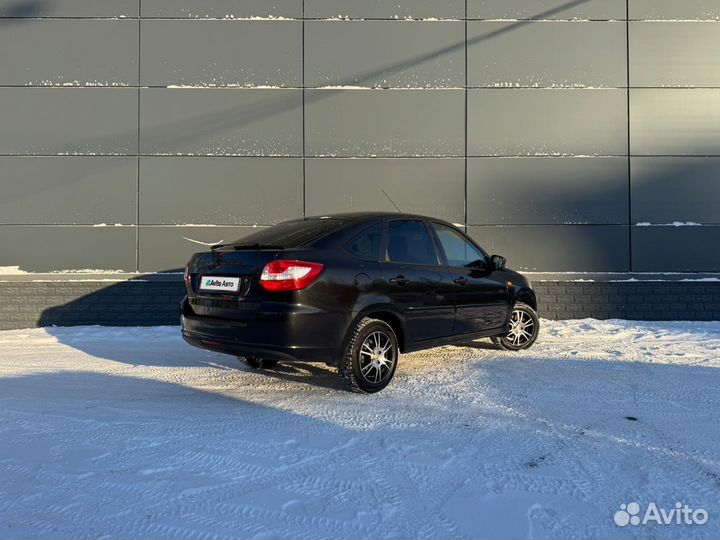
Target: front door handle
460,281
399,280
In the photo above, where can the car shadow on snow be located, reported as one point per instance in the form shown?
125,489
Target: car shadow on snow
164,347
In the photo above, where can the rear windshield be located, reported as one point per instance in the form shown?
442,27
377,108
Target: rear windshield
292,234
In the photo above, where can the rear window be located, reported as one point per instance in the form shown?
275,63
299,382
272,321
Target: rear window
292,234
366,245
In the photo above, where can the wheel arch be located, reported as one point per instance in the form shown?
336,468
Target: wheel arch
389,315
527,296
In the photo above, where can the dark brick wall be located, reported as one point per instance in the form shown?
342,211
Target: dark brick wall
638,300
126,303
26,304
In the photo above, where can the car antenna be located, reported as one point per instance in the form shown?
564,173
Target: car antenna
389,199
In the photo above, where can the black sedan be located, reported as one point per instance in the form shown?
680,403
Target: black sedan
353,290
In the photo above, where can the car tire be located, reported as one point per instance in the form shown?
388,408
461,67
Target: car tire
524,329
370,356
259,363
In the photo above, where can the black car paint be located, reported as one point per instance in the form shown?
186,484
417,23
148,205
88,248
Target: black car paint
426,305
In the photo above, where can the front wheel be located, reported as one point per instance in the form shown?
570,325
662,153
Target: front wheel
524,329
370,356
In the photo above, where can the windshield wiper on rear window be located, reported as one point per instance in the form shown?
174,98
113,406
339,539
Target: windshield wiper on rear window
242,246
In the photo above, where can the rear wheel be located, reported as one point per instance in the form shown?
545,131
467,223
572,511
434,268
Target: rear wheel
524,329
370,357
259,363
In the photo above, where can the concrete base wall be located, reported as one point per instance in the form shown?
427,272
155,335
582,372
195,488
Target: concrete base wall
152,301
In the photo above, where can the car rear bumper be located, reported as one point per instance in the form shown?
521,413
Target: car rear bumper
271,352
304,335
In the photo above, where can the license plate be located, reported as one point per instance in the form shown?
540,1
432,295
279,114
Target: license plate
214,283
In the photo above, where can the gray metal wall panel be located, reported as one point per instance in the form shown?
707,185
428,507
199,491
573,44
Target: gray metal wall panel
221,121
68,8
384,123
670,189
547,191
675,9
48,249
572,54
169,248
546,122
385,9
67,190
78,52
674,54
68,120
221,9
385,53
562,248
675,121
362,123
546,9
676,249
426,186
220,191
243,53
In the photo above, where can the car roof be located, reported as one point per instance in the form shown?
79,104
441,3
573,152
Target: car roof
362,216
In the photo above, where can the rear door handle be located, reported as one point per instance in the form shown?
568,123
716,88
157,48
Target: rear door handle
460,281
400,280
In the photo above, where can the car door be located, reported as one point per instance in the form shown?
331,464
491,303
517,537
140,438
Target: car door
418,285
482,301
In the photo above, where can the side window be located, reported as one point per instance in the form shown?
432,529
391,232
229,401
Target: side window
410,242
366,245
458,251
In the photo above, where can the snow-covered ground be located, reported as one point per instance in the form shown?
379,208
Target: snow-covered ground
130,433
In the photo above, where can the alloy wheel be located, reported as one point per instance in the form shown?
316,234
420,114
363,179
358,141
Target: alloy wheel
522,328
377,357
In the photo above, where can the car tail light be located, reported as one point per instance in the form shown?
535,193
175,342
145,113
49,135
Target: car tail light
289,275
186,275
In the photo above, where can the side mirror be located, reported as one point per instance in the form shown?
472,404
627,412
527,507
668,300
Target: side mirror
498,262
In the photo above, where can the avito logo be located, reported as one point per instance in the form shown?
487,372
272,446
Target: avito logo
681,514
